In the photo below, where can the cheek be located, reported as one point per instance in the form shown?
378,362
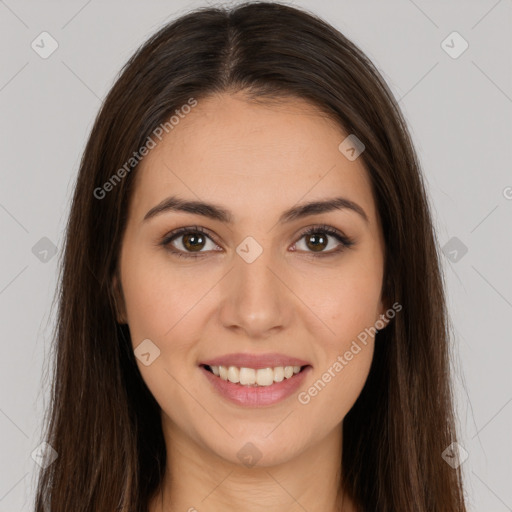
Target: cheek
156,297
344,353
343,380
347,299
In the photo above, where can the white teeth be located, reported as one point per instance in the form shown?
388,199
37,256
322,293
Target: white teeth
223,371
278,374
247,376
233,374
265,376
251,376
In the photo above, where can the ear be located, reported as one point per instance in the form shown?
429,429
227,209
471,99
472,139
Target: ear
117,294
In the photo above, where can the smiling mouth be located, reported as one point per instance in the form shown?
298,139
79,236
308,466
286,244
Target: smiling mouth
251,377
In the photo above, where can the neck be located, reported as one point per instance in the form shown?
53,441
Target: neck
197,478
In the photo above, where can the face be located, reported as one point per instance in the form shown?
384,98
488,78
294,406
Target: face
254,292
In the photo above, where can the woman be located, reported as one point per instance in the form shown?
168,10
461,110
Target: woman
251,312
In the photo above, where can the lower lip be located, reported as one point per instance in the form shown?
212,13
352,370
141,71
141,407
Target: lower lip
256,396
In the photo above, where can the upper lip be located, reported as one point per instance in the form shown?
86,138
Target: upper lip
255,361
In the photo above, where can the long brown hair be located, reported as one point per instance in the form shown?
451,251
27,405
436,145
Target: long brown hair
103,421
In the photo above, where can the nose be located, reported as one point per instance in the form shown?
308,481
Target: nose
256,300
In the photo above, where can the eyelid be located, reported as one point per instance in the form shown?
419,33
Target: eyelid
345,241
176,233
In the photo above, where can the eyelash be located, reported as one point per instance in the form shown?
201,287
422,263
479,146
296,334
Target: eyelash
345,241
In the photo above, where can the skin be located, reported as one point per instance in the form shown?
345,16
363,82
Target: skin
256,161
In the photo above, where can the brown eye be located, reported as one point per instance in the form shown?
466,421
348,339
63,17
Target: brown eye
317,239
188,242
193,241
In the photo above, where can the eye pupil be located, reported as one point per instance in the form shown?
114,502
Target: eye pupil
190,239
316,246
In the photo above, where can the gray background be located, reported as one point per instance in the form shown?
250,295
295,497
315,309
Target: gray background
459,112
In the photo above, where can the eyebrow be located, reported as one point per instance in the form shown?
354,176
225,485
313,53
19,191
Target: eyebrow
216,212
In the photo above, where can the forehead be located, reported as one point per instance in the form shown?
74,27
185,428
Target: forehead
255,157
